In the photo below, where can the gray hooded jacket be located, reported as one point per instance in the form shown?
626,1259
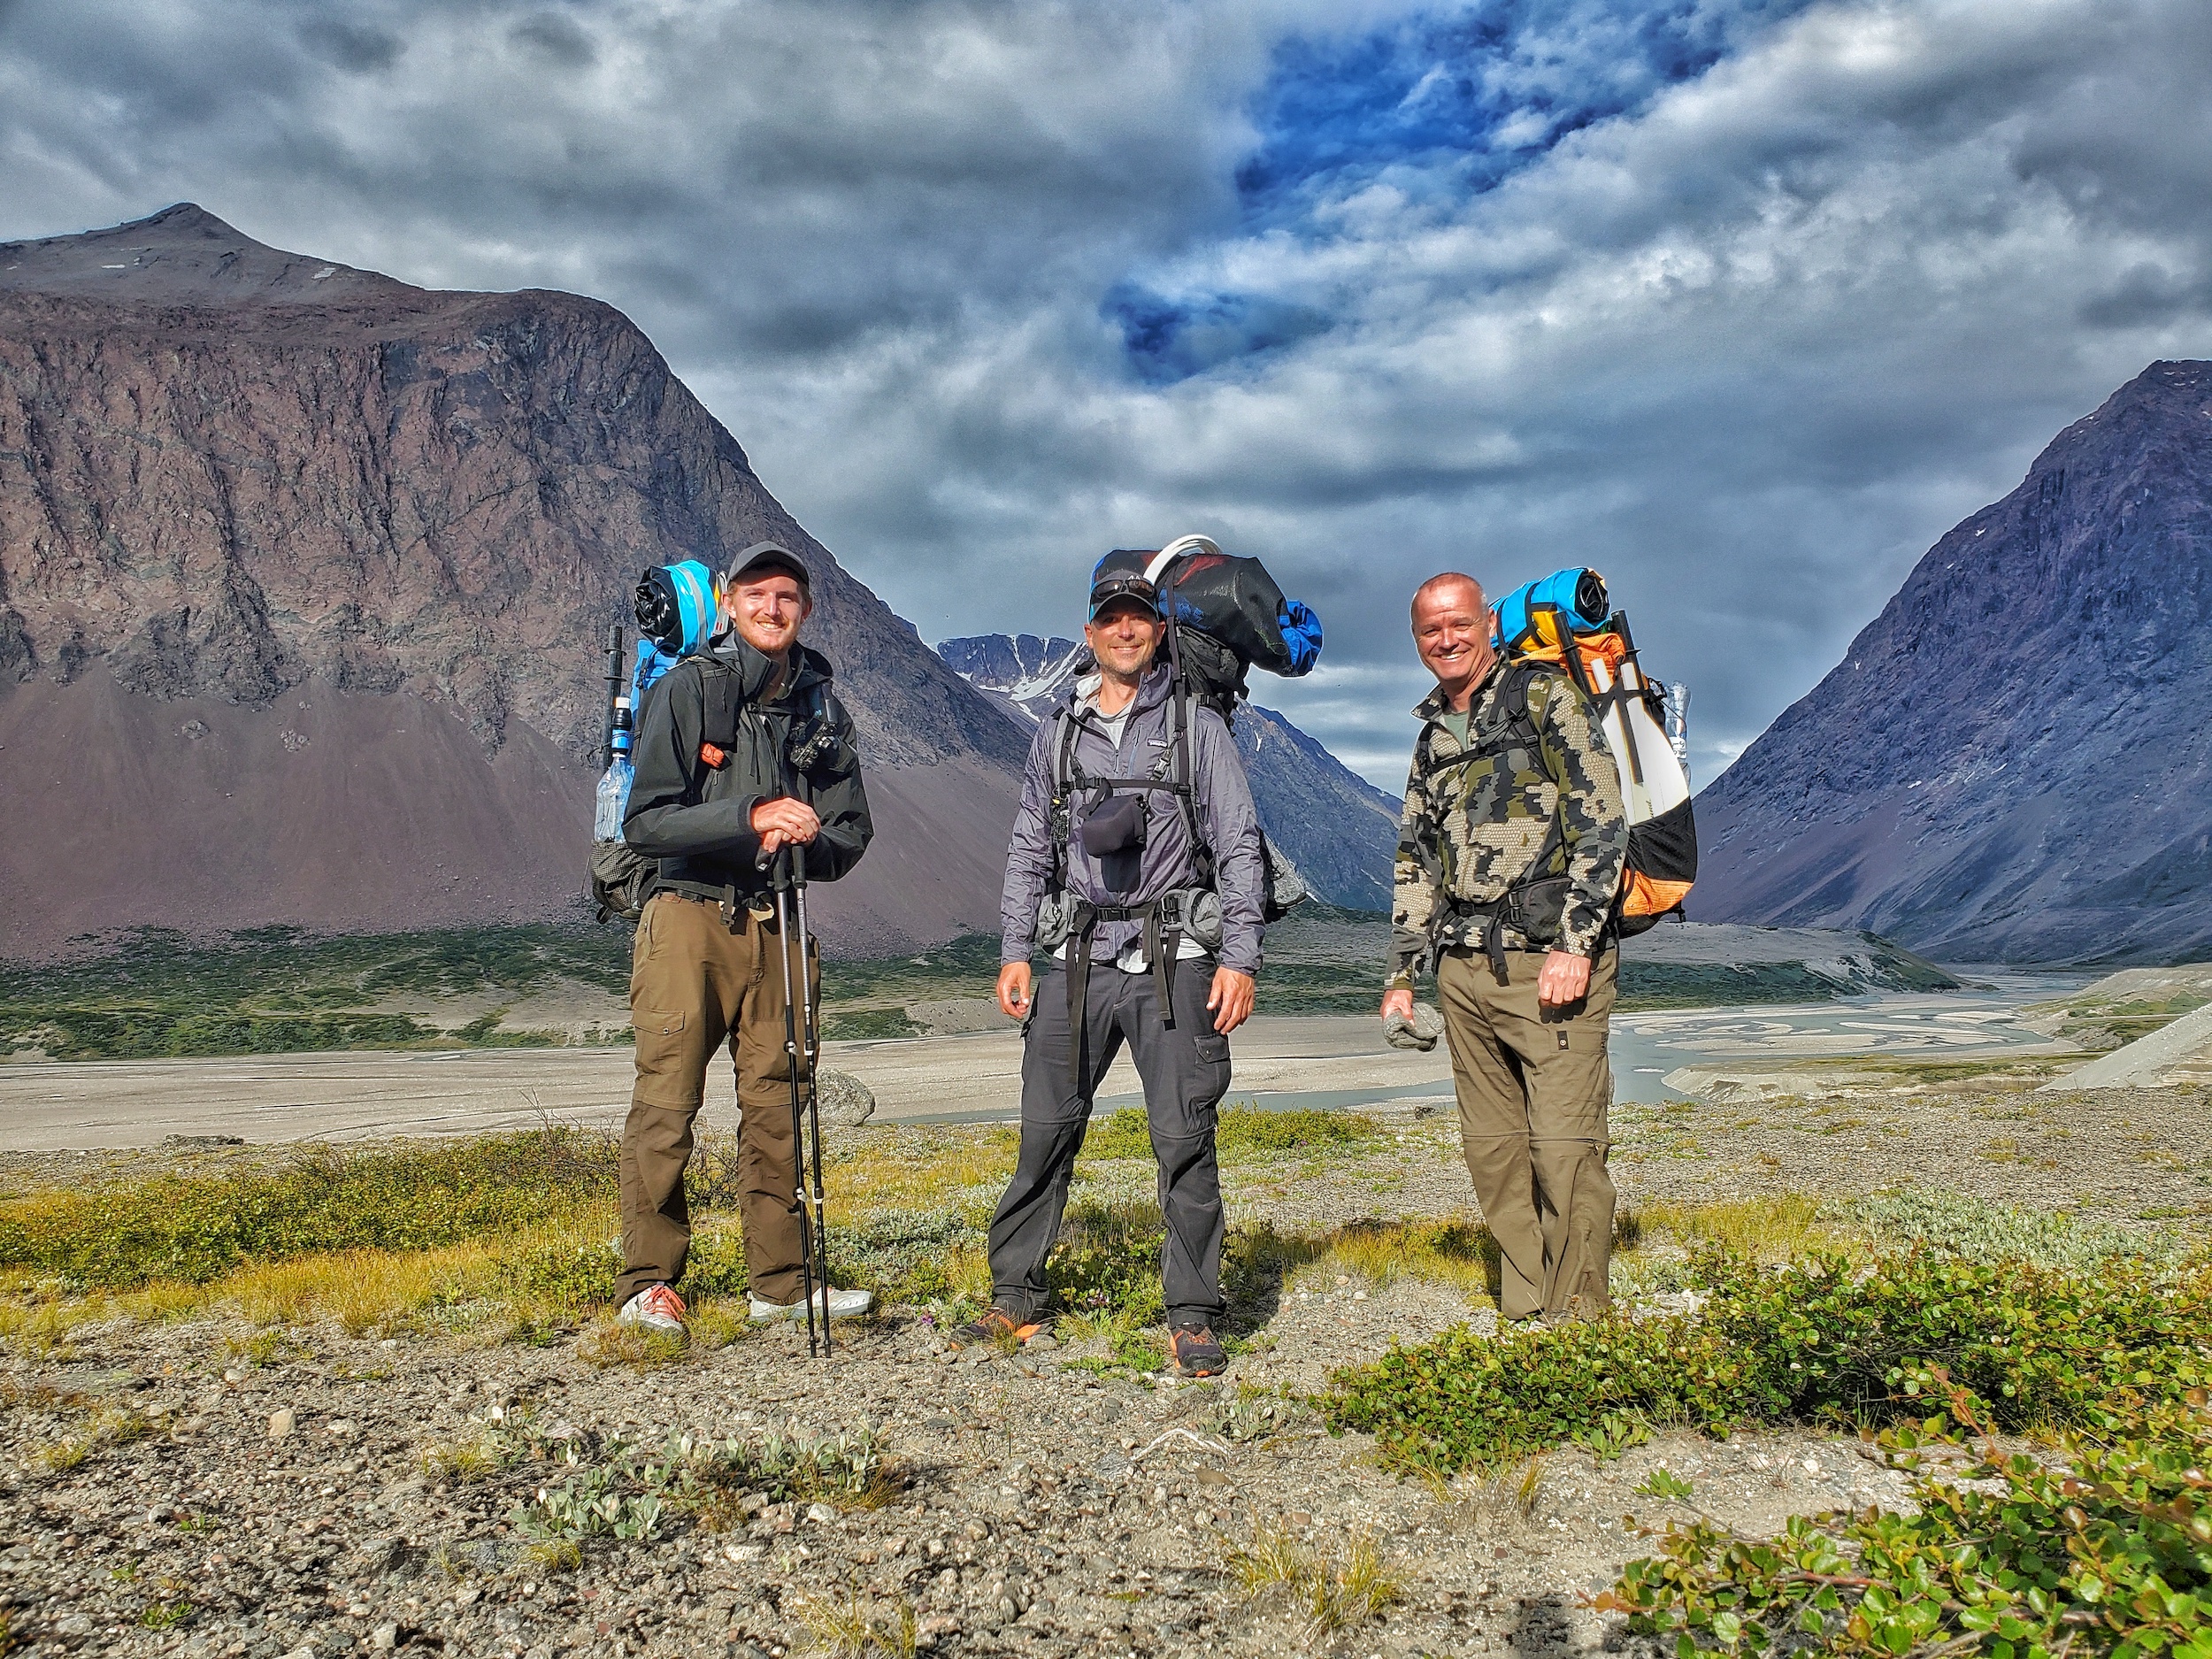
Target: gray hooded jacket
1168,861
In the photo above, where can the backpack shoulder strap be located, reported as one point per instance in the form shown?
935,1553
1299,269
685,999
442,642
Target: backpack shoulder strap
1515,694
1066,769
1184,774
1514,719
720,703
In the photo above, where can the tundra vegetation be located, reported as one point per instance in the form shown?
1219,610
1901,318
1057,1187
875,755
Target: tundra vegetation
158,993
2037,1380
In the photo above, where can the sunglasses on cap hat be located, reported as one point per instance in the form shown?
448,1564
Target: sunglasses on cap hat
1132,588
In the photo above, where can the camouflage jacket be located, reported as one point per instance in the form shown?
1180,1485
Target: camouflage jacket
1473,828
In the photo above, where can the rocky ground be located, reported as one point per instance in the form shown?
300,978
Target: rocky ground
198,1487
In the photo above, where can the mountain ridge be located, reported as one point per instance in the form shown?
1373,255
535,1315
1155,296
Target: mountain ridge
239,480
2014,760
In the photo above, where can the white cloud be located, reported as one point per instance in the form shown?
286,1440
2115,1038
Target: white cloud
1747,348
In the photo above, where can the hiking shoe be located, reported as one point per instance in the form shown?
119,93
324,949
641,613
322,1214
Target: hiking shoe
841,1304
995,1324
1196,1352
658,1307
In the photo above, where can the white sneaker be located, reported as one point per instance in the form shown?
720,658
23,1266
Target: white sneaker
844,1305
656,1308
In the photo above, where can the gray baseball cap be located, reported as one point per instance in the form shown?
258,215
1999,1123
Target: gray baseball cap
771,555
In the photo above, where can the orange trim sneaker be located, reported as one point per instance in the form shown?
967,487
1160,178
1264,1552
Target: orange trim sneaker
995,1324
1196,1353
658,1307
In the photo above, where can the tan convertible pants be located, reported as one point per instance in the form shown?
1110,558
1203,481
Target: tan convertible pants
1534,1087
696,981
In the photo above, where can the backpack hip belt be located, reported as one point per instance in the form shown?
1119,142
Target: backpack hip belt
1532,908
1163,943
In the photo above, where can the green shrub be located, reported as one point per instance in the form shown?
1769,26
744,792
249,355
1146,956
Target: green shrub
2112,1555
1109,1259
630,1489
1959,1223
870,1024
568,1275
2033,1347
901,1256
146,1034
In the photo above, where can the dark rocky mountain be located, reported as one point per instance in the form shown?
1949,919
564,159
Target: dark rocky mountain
1339,829
2014,762
304,580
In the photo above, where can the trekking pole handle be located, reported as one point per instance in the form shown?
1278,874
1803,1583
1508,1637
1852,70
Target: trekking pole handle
779,861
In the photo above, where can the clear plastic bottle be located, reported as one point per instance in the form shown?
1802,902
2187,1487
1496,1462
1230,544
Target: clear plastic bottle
614,783
1678,723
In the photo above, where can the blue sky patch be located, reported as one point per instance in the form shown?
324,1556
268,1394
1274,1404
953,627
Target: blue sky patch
1168,339
1474,94
1448,103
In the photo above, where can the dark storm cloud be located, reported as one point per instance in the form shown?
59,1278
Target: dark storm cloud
357,50
1743,302
558,37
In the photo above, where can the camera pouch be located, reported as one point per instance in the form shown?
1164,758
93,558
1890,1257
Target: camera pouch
1116,825
1055,920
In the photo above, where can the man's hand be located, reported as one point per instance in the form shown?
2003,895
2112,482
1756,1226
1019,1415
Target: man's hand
1399,1001
1232,999
1564,980
1015,989
784,823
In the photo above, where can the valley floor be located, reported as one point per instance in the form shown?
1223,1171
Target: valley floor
204,1486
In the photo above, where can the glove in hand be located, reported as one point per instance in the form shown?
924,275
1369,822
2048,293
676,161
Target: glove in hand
1420,1032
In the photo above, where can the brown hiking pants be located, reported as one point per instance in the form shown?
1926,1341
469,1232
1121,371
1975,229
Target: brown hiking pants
1534,1089
696,981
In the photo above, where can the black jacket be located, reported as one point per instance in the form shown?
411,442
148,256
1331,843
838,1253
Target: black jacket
696,819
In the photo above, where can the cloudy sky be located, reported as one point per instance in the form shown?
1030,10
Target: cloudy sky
1743,302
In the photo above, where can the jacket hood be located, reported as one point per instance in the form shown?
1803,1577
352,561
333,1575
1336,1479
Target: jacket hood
755,672
1151,690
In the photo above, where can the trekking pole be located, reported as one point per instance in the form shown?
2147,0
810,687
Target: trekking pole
781,880
811,1030
614,677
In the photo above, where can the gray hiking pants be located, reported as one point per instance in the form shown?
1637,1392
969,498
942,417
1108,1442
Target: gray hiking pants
1185,1073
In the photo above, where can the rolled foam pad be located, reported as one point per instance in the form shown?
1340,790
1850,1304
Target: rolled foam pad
1421,1032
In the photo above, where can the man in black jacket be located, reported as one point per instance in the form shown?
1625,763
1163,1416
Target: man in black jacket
741,752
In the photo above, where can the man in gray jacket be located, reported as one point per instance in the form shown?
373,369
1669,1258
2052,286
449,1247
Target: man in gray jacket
1138,839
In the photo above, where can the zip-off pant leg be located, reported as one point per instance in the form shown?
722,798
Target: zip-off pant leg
1056,1113
768,1200
694,981
1185,1070
1534,1091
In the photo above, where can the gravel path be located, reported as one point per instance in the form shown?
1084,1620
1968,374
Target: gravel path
1045,1510
159,1494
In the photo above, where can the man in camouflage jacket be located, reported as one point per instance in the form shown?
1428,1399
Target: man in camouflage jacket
1509,857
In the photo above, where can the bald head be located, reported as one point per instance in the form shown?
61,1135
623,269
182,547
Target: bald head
1451,630
1452,585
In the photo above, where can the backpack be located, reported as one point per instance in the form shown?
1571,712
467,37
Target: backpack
1224,614
622,877
1561,625
677,612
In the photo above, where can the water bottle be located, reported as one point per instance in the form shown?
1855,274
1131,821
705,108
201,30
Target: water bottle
1678,724
614,783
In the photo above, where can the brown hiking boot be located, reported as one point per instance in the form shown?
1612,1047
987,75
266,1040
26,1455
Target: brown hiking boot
1196,1353
995,1324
